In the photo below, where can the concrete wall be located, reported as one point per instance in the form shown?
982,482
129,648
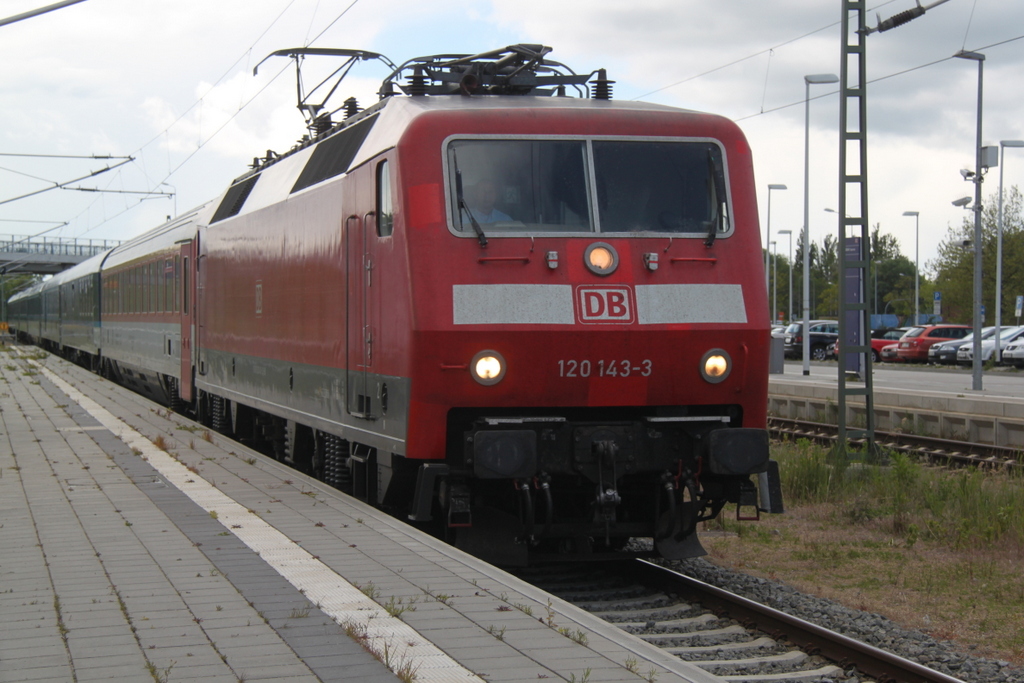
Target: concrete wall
978,419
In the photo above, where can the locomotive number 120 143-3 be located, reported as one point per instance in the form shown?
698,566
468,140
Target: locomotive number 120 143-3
604,368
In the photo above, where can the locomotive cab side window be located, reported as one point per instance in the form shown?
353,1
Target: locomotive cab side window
584,186
385,208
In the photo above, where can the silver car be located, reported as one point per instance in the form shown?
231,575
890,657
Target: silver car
965,354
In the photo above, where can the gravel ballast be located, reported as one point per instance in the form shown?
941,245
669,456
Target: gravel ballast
872,629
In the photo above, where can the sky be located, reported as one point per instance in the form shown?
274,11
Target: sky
171,84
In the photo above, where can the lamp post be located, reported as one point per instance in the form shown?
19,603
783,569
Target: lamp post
1003,144
775,280
815,79
917,264
976,362
768,238
790,299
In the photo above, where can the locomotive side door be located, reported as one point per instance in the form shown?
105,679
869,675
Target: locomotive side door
360,276
369,194
186,306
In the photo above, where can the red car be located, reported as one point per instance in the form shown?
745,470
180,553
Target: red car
880,339
914,344
890,353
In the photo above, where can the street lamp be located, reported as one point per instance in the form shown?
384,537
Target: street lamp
790,299
768,237
976,362
775,280
1003,144
815,79
917,264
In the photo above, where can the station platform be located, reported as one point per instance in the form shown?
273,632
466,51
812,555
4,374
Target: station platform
932,401
138,546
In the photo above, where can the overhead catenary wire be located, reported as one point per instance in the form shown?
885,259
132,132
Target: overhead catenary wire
877,80
231,118
768,50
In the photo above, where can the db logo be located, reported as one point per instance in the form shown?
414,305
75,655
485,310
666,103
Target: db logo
604,304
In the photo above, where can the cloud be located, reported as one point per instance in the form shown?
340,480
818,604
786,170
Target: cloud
109,77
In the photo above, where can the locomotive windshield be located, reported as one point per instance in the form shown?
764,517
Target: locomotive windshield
573,186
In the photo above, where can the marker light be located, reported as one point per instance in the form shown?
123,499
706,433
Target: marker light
715,366
601,258
488,367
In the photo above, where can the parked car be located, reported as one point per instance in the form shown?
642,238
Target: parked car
883,337
890,353
944,353
880,338
823,334
914,345
1013,354
965,354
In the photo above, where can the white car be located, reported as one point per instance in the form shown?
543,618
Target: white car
1013,354
1008,335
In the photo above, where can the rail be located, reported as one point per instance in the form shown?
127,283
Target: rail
937,449
836,647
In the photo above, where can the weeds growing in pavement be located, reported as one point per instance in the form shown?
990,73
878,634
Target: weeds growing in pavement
396,608
403,667
369,590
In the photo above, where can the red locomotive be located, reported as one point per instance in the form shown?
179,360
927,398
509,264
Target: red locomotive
537,321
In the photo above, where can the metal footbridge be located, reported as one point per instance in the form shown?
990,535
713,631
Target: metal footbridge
47,255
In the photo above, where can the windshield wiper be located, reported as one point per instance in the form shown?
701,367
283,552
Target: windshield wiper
461,201
718,190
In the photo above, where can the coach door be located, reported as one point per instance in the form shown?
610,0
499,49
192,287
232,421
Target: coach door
186,301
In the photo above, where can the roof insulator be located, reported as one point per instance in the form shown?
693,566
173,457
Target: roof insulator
322,124
602,86
417,82
351,107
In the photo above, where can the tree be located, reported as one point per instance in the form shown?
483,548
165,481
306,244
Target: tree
954,266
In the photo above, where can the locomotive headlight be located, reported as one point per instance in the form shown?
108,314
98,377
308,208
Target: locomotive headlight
715,366
488,367
601,258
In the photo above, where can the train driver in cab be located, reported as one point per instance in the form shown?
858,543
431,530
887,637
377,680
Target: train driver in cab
482,200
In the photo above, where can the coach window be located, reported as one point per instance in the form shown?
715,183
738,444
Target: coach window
385,209
177,284
130,274
184,286
169,285
147,287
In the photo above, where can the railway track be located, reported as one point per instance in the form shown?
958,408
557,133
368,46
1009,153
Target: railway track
725,634
944,451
